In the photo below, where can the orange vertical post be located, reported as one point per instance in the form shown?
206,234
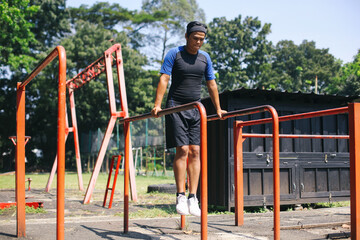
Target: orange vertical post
354,147
238,174
126,175
20,161
76,139
61,143
276,171
204,170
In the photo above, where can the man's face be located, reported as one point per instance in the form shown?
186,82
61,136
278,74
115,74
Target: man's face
194,41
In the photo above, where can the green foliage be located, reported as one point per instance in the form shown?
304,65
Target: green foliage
16,34
295,68
347,81
164,32
239,50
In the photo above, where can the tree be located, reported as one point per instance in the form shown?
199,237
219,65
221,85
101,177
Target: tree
111,16
50,23
16,35
165,33
348,80
238,49
296,68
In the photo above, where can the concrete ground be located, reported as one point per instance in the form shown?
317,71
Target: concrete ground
92,221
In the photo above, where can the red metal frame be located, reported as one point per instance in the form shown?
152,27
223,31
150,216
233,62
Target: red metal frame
68,129
105,63
203,156
354,132
354,147
238,162
20,146
114,181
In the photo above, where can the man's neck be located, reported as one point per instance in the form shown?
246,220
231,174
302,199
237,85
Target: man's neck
189,52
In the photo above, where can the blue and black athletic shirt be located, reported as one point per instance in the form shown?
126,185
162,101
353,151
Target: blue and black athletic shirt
186,71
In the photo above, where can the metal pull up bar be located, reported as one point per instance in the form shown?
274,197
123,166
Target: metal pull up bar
203,157
20,146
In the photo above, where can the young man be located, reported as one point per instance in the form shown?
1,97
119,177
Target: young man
187,65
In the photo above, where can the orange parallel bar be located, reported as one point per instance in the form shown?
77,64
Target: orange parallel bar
237,159
321,113
354,149
20,161
203,155
238,174
259,135
20,131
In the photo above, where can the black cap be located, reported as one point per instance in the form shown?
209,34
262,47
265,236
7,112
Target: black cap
196,26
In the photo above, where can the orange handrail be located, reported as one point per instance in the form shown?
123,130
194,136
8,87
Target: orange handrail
20,147
238,160
203,156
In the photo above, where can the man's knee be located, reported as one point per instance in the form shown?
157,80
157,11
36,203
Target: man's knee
194,152
182,151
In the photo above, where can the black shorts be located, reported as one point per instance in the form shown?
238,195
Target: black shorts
182,128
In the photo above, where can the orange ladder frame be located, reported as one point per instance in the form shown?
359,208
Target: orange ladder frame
114,181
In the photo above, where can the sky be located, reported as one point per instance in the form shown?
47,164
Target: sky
331,24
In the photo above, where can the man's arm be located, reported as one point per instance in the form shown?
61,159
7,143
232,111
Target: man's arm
214,95
160,91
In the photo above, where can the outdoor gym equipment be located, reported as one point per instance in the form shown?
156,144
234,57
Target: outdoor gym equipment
354,147
102,64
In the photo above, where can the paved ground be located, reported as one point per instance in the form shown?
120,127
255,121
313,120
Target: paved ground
95,222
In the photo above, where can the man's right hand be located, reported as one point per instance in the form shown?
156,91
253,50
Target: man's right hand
155,111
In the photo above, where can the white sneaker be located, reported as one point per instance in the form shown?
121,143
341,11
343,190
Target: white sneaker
194,207
182,205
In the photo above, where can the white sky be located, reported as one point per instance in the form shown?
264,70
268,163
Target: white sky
332,24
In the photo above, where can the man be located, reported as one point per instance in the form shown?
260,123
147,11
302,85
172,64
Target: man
187,65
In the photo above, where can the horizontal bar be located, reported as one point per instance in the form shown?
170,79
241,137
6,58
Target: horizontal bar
255,135
240,112
335,111
164,112
40,67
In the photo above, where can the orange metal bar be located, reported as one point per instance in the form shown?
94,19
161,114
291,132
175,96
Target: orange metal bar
109,178
276,171
203,157
238,174
61,143
321,113
258,135
76,139
20,161
114,182
126,175
354,147
20,131
108,61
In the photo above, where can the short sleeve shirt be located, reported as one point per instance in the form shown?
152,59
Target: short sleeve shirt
186,71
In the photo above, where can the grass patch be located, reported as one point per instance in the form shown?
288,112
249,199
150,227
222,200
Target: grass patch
28,210
39,181
326,204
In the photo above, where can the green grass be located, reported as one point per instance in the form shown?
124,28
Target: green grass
29,210
39,181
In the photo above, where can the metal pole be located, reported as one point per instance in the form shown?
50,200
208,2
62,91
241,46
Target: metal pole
204,170
238,173
20,161
61,143
276,172
354,147
126,176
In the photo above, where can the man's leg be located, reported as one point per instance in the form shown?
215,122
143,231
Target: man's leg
194,173
194,168
179,166
179,173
